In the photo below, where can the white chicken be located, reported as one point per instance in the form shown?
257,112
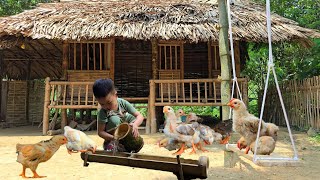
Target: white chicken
244,123
183,133
78,141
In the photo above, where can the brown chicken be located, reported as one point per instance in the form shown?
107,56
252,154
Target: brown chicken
244,123
272,130
30,155
266,145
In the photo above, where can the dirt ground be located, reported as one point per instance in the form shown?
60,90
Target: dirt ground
65,166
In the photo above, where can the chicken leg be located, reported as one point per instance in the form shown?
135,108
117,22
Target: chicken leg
23,174
247,149
36,175
225,140
180,150
199,146
193,149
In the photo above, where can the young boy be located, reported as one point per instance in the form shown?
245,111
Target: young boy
114,111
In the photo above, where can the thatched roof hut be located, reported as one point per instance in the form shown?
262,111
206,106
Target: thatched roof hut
44,28
143,20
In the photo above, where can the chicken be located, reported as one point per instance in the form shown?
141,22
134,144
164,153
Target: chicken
272,130
225,129
241,144
30,155
180,116
266,145
183,133
244,123
192,117
170,144
78,141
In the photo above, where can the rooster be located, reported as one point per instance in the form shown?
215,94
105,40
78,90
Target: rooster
78,141
30,155
244,123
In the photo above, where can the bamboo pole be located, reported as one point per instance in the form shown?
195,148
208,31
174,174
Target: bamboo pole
224,58
152,107
45,120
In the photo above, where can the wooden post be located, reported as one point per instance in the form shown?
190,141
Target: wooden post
65,60
112,63
224,58
148,123
245,92
64,119
237,57
154,44
230,159
2,72
152,107
45,126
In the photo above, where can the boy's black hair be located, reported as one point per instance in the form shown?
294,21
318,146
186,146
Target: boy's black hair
102,87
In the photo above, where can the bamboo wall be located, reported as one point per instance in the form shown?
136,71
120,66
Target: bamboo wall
133,68
16,103
302,103
36,99
22,102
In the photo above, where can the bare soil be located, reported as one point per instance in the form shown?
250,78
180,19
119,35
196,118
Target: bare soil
65,166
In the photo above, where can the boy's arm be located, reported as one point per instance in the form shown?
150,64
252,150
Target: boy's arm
102,133
136,123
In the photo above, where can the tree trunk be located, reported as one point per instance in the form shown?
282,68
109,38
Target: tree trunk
224,58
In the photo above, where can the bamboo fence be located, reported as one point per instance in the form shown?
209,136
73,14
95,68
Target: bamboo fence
302,103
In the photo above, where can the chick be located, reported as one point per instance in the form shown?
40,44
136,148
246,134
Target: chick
78,141
30,155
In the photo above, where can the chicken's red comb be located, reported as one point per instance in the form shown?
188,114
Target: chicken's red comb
232,99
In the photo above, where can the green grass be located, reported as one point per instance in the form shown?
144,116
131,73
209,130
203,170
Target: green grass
315,138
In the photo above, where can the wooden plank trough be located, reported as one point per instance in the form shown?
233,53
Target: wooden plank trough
262,160
182,168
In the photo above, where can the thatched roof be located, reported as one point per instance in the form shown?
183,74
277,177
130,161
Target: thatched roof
180,20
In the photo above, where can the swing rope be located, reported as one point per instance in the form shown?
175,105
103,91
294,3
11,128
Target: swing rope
271,66
234,80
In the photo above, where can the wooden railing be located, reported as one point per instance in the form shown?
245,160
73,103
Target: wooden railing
187,92
191,92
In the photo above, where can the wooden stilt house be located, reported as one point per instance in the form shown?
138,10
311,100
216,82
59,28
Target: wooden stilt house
159,53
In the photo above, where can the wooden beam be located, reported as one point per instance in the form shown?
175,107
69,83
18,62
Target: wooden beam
65,60
154,44
33,59
112,44
45,121
237,57
153,121
181,61
2,73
